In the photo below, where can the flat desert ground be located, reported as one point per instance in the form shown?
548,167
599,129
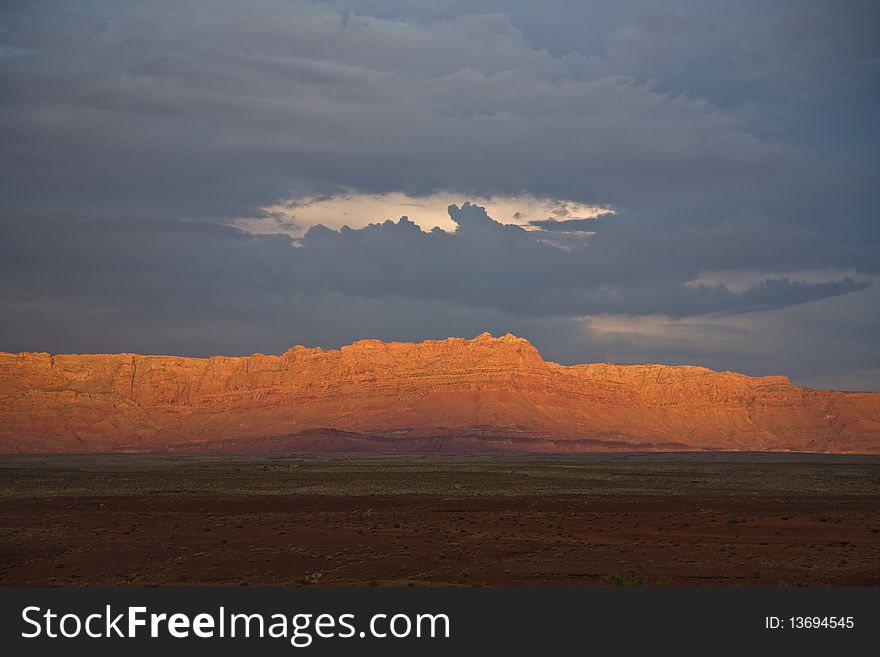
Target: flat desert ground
343,520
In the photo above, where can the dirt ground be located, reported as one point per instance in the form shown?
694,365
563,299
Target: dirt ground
591,520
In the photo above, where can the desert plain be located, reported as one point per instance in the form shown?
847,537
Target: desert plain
598,519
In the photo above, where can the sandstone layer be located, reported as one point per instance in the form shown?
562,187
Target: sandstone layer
485,394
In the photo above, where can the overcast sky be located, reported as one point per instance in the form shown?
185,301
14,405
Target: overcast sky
691,183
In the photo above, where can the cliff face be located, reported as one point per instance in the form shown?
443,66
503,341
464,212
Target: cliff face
485,394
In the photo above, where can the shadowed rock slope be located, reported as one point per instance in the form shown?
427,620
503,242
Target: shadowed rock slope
485,394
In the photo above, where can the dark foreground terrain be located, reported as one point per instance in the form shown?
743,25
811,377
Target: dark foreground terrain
684,519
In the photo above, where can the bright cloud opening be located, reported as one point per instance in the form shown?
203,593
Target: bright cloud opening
295,216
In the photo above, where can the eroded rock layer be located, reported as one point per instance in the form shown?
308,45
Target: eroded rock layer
485,394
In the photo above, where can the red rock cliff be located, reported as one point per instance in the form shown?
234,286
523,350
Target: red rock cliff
484,394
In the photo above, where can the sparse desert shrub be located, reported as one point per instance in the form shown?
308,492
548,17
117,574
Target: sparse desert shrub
633,577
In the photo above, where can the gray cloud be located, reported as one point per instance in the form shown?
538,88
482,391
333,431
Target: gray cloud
180,267
485,264
184,110
564,225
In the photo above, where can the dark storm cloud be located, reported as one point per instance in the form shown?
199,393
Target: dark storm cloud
485,264
215,109
728,137
181,267
197,287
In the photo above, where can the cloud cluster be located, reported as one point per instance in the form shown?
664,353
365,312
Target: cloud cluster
483,264
216,109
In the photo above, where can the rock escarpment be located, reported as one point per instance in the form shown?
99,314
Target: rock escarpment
485,394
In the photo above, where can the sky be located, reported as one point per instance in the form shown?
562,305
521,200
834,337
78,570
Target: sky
689,182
